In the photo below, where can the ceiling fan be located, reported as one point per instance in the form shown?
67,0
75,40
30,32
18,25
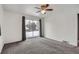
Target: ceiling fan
43,8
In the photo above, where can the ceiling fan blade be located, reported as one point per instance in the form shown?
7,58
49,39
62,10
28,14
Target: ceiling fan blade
37,7
37,11
47,5
49,9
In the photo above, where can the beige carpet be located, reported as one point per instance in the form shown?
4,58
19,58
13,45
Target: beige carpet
39,46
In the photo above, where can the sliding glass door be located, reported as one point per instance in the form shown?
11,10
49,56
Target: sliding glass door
32,28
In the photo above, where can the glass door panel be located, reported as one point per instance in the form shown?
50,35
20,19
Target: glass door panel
32,28
36,28
28,30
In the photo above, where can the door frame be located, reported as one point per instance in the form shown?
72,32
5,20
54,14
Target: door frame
78,29
23,29
40,21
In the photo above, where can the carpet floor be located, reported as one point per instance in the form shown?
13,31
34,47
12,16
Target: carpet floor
39,46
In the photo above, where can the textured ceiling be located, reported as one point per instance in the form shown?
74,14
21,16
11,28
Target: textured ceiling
25,8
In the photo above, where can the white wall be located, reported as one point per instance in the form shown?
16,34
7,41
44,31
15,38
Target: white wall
13,26
61,23
1,19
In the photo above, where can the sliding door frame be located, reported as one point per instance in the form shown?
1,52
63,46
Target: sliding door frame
23,29
40,28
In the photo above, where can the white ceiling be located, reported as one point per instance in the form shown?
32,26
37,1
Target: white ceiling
25,8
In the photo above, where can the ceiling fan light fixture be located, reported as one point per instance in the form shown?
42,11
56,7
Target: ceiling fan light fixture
43,11
43,8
